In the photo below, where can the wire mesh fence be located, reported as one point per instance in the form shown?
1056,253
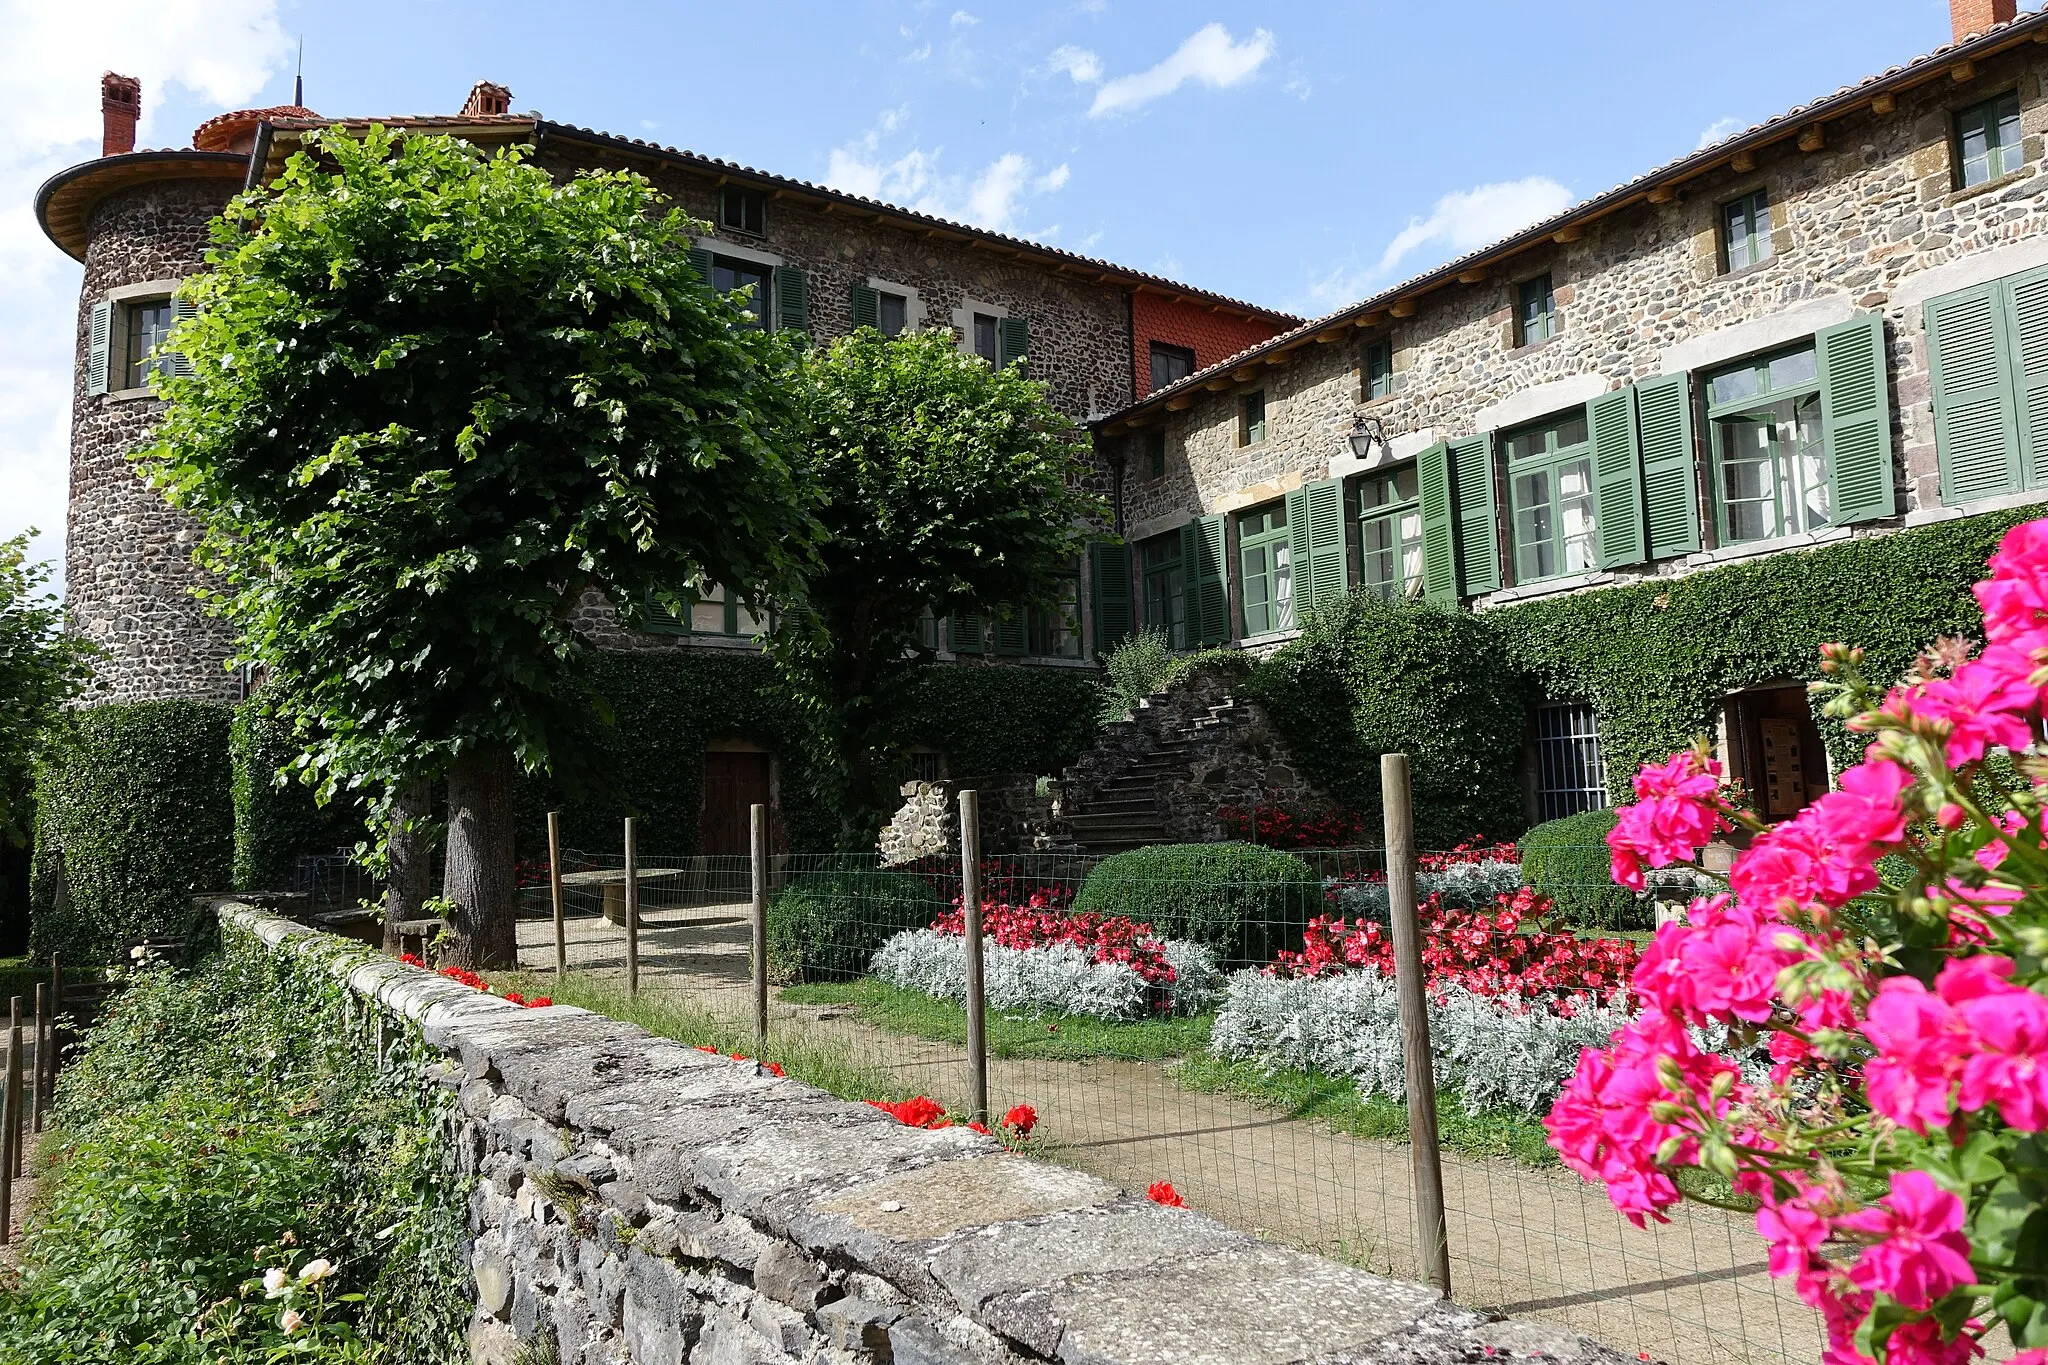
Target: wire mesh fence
1219,1025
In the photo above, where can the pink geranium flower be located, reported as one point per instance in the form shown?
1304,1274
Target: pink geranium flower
1677,812
1983,704
1920,1253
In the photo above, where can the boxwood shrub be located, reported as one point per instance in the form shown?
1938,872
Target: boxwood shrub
1243,901
1567,860
275,823
134,813
824,926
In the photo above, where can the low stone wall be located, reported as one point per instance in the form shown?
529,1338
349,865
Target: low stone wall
1014,818
640,1201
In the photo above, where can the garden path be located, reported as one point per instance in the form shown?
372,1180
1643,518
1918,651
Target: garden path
1534,1242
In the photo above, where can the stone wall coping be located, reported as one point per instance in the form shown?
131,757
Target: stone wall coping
1921,516
708,1176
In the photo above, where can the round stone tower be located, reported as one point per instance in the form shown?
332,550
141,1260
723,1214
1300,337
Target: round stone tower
137,220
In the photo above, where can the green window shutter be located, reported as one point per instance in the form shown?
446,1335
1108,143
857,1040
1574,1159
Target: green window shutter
1303,590
1208,584
1856,418
867,307
1013,340
1109,582
792,299
2026,302
1471,464
700,261
1671,510
1009,635
99,344
963,633
1439,539
1617,478
1327,567
182,310
1975,439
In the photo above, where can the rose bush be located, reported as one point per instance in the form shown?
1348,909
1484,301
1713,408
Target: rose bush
1892,1151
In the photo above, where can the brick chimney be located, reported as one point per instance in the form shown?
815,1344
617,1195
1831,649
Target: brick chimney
1979,16
120,108
488,97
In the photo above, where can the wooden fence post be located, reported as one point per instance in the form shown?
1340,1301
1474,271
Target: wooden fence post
47,1045
10,1119
555,886
1397,804
632,911
970,903
757,820
35,1084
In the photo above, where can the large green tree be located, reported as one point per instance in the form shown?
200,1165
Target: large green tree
41,668
436,398
950,486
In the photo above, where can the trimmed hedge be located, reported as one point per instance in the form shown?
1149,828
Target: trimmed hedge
993,719
1567,860
135,813
825,926
1245,902
1369,677
275,824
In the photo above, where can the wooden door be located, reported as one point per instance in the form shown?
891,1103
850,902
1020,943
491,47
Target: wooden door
733,782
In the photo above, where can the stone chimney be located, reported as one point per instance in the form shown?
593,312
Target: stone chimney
488,97
120,109
1979,16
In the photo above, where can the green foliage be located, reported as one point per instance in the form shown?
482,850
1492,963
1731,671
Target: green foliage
135,814
1244,901
277,820
1656,658
1567,860
948,485
41,668
211,1116
1369,677
1145,663
824,926
993,719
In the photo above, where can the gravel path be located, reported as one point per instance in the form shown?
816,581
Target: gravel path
1537,1243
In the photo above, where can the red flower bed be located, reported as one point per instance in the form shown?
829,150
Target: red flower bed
1037,924
1502,952
922,1111
477,983
1279,827
1003,881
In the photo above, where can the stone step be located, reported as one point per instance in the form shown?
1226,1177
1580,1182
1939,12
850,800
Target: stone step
1145,804
1087,828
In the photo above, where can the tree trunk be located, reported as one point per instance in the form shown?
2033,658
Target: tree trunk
479,875
410,855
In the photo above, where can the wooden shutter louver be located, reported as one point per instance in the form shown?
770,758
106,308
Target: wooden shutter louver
1109,586
1471,466
1856,419
1326,543
867,307
964,633
1976,442
1207,579
1439,538
182,310
792,300
700,261
1008,635
1302,591
2026,301
99,347
1013,341
1617,478
1671,509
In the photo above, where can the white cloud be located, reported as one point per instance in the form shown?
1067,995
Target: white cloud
962,19
222,52
1467,219
994,197
1210,56
918,54
1084,66
1718,129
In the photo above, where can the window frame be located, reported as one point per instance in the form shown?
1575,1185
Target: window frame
1049,636
883,297
993,355
1252,431
1551,462
140,373
1379,369
757,200
1276,607
1164,350
1171,572
1392,513
1526,323
1764,396
1568,747
2010,158
739,265
1754,208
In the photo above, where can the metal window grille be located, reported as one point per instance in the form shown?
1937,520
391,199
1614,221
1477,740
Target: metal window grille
1570,776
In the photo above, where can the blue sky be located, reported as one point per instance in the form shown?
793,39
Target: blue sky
1299,155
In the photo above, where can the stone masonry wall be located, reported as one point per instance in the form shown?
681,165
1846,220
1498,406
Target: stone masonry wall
1852,225
640,1201
1014,818
127,554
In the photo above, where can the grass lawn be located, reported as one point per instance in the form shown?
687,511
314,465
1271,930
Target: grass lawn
1062,1038
1335,1102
